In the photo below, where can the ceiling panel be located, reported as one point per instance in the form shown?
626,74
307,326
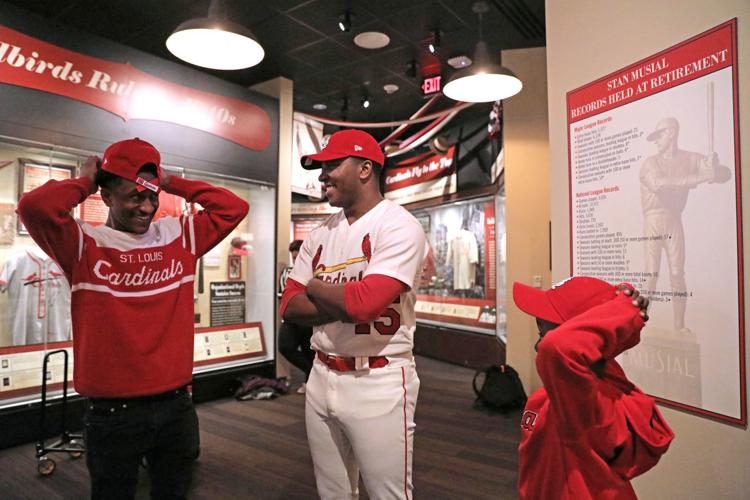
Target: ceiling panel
326,54
324,15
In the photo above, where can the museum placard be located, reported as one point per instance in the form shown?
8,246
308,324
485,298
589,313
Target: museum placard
655,201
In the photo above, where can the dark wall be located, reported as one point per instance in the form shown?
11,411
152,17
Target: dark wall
48,118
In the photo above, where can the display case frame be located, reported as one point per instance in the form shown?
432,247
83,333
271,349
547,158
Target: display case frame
480,308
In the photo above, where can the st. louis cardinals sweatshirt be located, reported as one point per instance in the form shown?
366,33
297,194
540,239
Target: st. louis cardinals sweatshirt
582,436
132,294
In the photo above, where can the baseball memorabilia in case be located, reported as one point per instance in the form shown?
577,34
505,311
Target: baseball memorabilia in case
234,267
7,223
34,174
465,265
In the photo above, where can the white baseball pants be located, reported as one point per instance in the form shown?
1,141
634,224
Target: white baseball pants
362,422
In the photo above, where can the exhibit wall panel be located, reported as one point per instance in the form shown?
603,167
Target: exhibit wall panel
587,40
527,201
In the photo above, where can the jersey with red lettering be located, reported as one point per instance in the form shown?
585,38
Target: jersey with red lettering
39,298
387,240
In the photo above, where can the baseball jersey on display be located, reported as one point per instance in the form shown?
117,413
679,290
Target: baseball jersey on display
463,256
132,294
388,241
39,298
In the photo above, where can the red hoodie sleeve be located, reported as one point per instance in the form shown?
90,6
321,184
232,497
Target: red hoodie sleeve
366,300
45,211
565,356
649,439
222,212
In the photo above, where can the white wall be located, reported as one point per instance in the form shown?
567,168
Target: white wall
587,39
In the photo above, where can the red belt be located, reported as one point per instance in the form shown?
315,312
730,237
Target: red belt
344,364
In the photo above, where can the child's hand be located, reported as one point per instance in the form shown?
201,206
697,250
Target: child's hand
639,301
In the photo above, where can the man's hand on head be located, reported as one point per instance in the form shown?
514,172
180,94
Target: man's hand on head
164,178
89,168
639,301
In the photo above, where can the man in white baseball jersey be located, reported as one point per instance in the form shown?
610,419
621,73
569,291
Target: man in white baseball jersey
354,281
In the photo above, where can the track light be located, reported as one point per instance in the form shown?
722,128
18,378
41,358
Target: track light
412,68
345,21
435,43
365,101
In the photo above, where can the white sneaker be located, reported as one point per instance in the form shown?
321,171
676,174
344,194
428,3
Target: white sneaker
301,389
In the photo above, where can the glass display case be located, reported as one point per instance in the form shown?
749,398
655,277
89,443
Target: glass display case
234,285
463,279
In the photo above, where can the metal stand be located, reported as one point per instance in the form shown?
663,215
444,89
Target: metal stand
69,443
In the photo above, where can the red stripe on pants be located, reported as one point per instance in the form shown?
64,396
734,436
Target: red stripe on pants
406,439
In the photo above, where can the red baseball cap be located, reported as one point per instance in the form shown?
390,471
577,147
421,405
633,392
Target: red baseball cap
564,300
126,158
343,144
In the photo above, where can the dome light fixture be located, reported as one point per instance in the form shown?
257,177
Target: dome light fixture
390,88
372,40
215,42
485,80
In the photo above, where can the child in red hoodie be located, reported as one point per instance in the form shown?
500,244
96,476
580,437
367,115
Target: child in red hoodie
589,430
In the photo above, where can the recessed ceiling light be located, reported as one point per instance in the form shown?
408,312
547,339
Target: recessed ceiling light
320,106
459,62
390,88
372,40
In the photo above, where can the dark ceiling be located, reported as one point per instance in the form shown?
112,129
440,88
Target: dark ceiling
303,43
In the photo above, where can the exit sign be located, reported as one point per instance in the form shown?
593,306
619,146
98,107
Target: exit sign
431,85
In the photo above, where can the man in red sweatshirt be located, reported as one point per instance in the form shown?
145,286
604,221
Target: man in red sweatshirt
132,310
589,430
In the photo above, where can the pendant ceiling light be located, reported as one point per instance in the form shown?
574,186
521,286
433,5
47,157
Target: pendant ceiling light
215,42
485,80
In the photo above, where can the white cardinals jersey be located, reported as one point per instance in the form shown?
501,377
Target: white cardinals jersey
39,298
463,257
388,241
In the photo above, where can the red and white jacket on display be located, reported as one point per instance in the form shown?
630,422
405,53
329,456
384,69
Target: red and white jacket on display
132,295
584,437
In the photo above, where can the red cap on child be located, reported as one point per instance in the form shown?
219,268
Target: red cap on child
563,301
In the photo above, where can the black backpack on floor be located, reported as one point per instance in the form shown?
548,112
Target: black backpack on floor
501,390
